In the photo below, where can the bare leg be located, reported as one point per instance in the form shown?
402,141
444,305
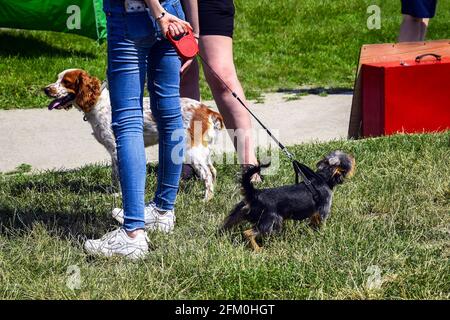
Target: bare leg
189,86
413,29
218,53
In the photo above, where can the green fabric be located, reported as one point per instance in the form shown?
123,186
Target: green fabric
83,17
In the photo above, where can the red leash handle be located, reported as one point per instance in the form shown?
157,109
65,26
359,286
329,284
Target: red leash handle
185,45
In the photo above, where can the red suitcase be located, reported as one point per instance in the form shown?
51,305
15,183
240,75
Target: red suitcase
406,96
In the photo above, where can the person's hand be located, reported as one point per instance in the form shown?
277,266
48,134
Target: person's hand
186,65
173,24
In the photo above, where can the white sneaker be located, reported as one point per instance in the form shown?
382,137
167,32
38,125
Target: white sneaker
117,242
155,219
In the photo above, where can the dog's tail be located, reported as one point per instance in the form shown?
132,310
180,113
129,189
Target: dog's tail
248,190
242,209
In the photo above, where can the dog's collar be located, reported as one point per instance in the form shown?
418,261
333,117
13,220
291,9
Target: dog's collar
103,87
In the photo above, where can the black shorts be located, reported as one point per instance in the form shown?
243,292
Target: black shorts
419,8
216,17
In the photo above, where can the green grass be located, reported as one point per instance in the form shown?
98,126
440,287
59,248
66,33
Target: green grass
393,214
278,45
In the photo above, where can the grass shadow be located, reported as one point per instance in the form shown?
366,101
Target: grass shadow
72,182
64,225
317,91
67,180
28,46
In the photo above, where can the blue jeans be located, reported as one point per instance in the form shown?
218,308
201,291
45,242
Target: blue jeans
136,50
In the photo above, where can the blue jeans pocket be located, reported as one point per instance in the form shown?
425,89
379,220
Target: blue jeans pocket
175,8
139,26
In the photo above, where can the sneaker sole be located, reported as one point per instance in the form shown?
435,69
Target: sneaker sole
134,255
159,227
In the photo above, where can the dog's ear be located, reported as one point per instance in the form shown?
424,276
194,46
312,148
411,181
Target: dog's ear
218,121
216,118
345,169
88,91
347,166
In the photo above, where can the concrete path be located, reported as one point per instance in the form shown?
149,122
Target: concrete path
62,140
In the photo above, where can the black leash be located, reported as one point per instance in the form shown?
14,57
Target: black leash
300,169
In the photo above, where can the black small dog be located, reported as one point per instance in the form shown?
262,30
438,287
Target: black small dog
268,208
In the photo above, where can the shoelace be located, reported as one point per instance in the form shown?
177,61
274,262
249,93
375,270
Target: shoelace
114,234
158,211
110,234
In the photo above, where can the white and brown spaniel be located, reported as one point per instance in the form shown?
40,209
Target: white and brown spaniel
75,87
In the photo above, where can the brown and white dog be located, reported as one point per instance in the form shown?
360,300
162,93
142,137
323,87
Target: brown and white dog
75,87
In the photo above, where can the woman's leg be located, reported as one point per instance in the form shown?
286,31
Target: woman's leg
189,86
126,77
125,80
416,16
164,85
218,53
413,29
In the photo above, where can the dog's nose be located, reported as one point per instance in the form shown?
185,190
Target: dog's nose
46,90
